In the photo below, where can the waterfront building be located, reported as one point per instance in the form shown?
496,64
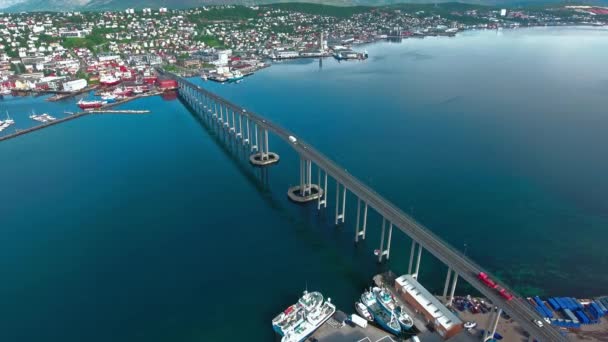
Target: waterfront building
446,323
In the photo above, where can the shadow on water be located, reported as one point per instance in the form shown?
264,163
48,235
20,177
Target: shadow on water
239,154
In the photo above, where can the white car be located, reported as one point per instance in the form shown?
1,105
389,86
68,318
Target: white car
538,322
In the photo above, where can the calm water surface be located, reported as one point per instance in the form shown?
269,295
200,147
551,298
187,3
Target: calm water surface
152,228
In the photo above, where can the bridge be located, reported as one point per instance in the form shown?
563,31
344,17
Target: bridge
252,131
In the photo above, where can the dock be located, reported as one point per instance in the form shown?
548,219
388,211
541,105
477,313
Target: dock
330,331
109,111
66,95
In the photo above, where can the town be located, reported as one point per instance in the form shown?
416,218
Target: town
71,51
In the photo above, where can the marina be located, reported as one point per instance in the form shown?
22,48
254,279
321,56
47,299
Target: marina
48,120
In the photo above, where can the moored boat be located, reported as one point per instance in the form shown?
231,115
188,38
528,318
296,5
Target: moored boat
385,299
234,76
363,312
300,320
90,104
123,92
404,319
386,320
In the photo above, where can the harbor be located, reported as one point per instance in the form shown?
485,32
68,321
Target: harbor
471,317
48,121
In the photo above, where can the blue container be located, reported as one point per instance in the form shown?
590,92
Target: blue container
582,317
571,315
554,304
599,307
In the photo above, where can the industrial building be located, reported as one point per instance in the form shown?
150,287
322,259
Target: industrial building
446,323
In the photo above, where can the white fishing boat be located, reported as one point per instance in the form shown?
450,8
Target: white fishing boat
300,320
363,312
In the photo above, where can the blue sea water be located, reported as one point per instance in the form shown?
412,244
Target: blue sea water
154,228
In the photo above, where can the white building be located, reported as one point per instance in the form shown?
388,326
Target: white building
75,85
503,12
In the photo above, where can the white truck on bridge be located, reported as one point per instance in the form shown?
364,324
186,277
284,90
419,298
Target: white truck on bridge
293,139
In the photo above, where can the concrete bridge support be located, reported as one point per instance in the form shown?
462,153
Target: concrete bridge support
385,252
340,216
409,269
306,191
322,200
233,127
264,157
492,325
247,139
449,299
360,232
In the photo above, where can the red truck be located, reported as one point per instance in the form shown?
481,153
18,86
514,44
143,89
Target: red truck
486,280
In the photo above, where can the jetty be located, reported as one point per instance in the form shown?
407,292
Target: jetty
45,125
109,111
105,109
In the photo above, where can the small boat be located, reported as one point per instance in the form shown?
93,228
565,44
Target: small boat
8,120
204,77
109,97
404,319
470,325
363,312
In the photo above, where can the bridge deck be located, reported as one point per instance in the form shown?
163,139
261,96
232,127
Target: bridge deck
517,308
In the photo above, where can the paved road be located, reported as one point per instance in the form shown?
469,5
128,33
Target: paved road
518,308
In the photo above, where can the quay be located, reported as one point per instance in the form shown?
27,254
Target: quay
104,111
66,95
332,331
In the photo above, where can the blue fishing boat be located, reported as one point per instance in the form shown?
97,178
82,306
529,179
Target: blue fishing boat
388,321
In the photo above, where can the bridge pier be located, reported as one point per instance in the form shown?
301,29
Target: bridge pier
227,123
247,140
447,283
417,270
240,133
412,250
385,252
492,325
322,200
306,191
450,299
264,157
340,216
361,232
453,290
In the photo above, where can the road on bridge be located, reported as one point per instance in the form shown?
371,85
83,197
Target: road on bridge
518,308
